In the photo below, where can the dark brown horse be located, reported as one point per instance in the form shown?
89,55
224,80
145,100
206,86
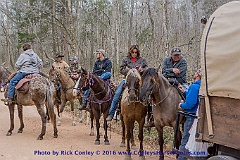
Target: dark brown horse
67,83
100,99
133,110
40,94
165,99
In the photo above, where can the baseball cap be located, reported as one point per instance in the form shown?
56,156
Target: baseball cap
176,50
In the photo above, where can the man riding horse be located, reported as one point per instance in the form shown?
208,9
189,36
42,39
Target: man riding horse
102,68
75,68
28,63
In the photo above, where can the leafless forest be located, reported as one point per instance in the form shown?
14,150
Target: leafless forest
78,27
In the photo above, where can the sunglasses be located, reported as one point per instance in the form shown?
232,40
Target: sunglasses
134,52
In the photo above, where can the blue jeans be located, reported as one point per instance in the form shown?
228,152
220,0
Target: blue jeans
13,83
106,75
182,149
115,98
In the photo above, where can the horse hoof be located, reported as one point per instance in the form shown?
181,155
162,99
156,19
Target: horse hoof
59,124
127,157
97,142
9,134
122,145
106,143
141,157
73,124
80,121
40,138
55,136
20,131
91,134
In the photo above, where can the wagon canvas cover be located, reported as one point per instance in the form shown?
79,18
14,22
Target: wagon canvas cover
220,53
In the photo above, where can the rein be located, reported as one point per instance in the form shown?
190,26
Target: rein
152,104
91,82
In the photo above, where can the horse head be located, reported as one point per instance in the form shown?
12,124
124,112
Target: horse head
149,85
133,83
84,80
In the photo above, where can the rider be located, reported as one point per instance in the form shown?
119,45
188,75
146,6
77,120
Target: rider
132,60
174,68
102,68
28,63
75,68
59,64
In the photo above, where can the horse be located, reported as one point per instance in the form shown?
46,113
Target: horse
100,99
40,94
133,110
156,89
67,83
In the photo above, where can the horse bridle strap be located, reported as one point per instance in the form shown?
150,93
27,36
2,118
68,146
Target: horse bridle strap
162,99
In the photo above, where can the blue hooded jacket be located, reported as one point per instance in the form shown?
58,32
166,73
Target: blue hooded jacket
192,100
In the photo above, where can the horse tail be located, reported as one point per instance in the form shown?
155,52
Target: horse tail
49,99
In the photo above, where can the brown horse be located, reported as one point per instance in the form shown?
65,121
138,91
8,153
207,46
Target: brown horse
100,99
57,75
165,99
40,94
133,110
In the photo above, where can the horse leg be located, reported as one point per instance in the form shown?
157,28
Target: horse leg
81,116
44,119
20,115
59,119
48,117
128,136
97,141
73,113
140,137
106,141
123,132
11,111
160,141
92,127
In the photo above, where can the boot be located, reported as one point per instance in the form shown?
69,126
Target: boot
84,104
109,118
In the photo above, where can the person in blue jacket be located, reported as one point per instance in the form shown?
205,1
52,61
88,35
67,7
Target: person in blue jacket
189,106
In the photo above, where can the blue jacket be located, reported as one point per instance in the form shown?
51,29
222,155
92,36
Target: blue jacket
192,101
103,66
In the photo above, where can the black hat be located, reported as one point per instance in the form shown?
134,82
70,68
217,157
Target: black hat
176,50
58,55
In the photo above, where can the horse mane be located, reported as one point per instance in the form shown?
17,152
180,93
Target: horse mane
134,73
153,72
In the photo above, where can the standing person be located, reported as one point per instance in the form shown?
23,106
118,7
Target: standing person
174,68
189,106
75,68
28,63
102,68
132,60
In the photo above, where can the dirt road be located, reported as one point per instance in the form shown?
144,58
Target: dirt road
73,142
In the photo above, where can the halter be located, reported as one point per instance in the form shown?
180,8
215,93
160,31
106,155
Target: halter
90,81
162,99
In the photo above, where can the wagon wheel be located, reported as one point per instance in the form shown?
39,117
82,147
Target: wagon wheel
221,157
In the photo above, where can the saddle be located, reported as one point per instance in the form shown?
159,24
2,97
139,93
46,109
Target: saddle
23,85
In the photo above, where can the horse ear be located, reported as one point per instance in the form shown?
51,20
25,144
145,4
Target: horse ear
84,71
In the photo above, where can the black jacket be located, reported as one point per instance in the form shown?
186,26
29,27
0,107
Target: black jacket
103,66
167,69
